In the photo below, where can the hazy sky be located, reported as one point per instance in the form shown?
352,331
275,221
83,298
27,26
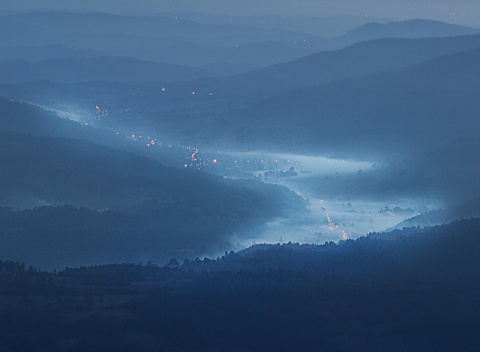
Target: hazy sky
458,11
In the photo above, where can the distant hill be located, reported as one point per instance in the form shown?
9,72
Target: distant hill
432,102
181,39
144,37
22,33
145,26
38,53
370,88
325,27
359,59
262,53
416,28
96,69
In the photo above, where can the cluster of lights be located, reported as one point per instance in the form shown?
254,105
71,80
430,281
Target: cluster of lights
195,160
152,142
100,113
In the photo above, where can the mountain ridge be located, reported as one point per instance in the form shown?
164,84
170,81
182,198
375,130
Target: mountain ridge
396,106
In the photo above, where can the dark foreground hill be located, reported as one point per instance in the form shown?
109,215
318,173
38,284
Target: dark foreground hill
416,292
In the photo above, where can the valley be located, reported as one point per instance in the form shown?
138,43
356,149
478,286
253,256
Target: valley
193,176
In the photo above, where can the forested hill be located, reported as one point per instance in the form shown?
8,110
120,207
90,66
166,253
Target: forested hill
370,294
441,252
